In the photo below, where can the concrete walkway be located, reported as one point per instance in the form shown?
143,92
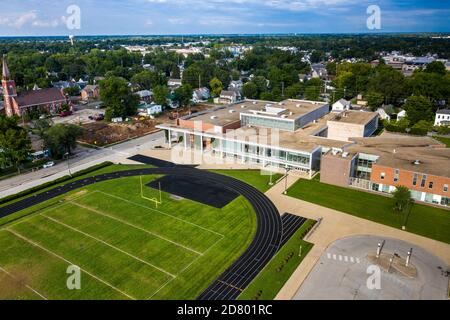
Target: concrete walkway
337,225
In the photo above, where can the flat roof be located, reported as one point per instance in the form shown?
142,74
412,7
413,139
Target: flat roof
400,151
355,117
219,116
288,109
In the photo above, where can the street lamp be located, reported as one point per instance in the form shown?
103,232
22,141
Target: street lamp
68,163
286,181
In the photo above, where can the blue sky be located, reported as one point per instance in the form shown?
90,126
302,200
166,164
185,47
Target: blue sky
114,17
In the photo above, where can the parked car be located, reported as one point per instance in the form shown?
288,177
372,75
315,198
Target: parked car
48,165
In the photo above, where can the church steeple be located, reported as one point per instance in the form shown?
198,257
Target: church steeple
9,91
5,71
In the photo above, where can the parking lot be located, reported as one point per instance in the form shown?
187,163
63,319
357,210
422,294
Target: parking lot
344,272
79,116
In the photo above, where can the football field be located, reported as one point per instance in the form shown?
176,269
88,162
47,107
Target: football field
124,246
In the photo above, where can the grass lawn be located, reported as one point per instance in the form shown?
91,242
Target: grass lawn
125,247
424,220
444,140
252,177
270,280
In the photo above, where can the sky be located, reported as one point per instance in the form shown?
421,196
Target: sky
159,17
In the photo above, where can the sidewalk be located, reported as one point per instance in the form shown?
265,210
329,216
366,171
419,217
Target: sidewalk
337,225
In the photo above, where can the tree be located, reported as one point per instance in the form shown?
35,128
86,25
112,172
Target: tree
402,198
250,90
41,126
216,87
72,91
183,95
418,108
160,94
436,67
148,79
374,99
117,96
15,144
294,91
62,139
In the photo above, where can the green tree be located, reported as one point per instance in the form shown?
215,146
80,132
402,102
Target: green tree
436,67
418,108
183,95
15,144
148,79
374,99
62,139
118,98
160,94
250,90
401,198
216,86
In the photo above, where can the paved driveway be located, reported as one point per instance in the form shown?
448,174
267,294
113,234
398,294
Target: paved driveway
343,270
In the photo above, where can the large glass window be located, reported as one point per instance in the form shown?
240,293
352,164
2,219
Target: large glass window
424,181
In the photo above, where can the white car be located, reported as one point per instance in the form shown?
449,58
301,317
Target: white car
48,165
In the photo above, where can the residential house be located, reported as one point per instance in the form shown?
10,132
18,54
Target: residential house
201,95
90,92
174,83
229,97
442,117
342,105
146,109
145,95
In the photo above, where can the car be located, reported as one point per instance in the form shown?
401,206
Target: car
48,165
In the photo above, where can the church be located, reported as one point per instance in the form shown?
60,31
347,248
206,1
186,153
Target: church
41,100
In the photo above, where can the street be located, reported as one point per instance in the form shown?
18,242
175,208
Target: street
82,160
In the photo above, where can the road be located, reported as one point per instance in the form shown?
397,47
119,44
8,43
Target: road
83,160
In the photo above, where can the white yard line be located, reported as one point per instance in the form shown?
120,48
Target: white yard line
67,261
136,227
109,245
27,286
161,212
181,271
46,210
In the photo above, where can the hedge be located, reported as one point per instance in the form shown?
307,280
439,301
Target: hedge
54,182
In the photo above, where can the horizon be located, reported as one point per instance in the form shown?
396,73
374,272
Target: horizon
31,18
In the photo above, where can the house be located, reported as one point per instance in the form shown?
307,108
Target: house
342,105
145,95
145,109
174,83
319,70
236,84
442,117
42,100
229,97
201,95
401,115
90,92
383,114
302,77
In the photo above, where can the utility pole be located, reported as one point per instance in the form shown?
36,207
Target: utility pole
199,81
282,89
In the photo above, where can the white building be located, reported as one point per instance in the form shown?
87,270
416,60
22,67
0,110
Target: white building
149,109
442,117
401,115
383,114
342,105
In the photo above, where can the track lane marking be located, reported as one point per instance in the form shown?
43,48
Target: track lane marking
25,285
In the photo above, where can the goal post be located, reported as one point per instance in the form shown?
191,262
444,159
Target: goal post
155,200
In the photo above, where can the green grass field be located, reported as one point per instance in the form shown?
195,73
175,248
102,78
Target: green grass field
278,271
125,247
427,221
444,140
252,177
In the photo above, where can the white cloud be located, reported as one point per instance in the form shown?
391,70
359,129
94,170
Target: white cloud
29,18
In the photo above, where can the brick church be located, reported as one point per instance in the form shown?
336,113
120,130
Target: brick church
41,100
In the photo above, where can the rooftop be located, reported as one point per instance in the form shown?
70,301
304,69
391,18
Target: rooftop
443,111
287,109
355,117
402,152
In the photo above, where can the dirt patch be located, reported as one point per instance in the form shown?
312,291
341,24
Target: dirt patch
76,195
102,133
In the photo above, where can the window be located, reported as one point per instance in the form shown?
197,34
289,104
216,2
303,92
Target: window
445,187
396,175
382,175
430,185
424,181
416,176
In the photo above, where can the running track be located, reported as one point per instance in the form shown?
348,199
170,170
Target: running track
236,278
